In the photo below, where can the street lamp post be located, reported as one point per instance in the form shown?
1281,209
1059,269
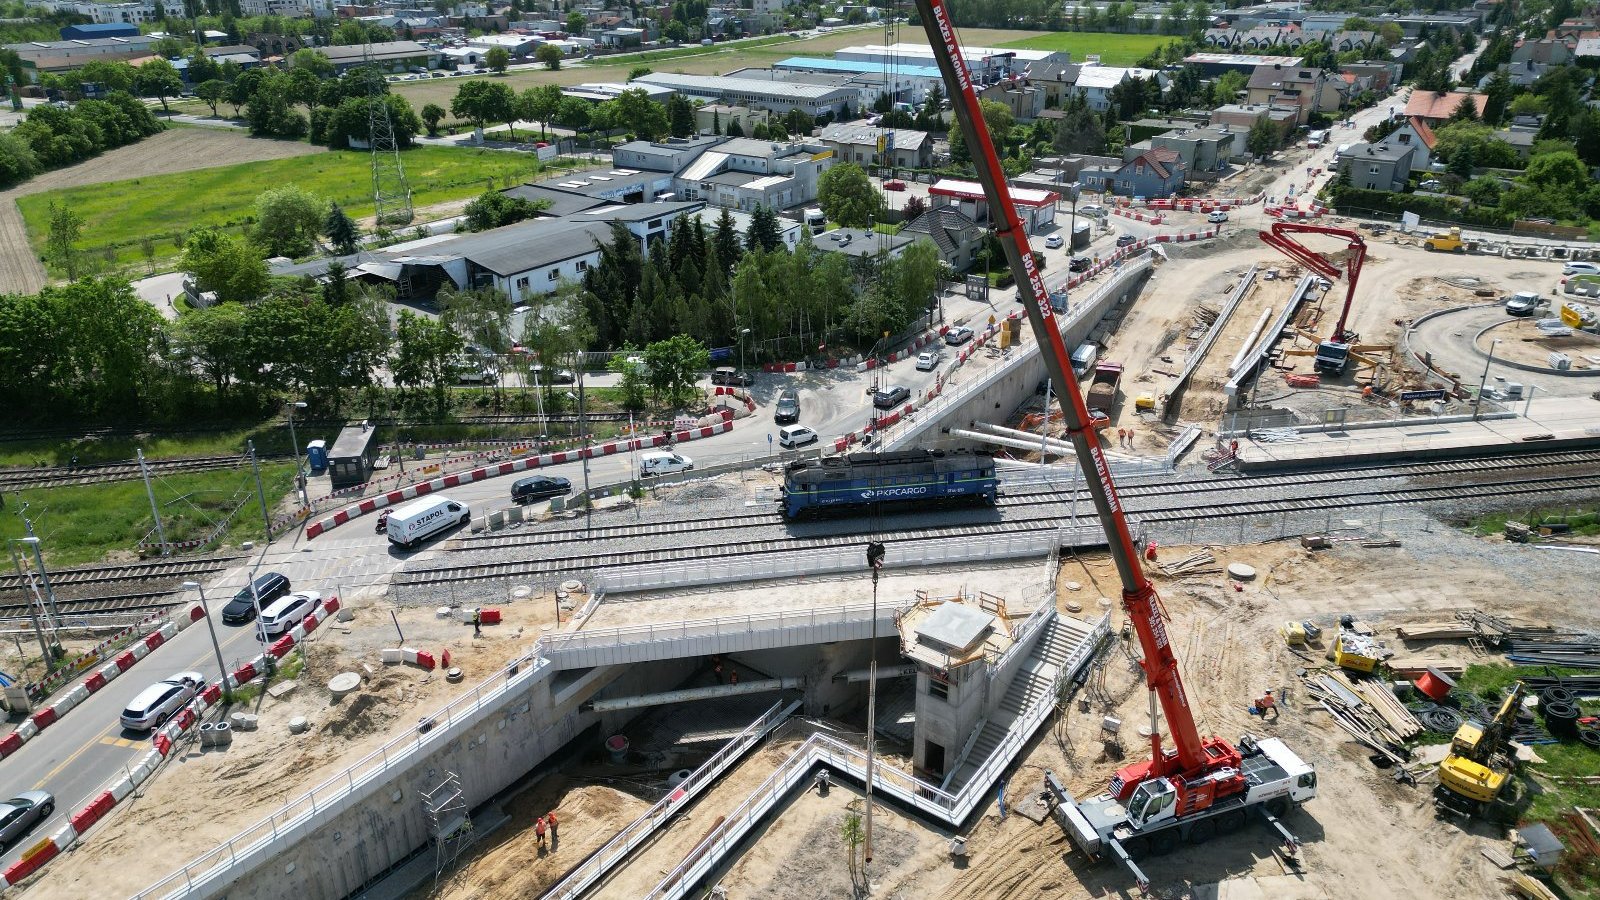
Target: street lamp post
299,477
742,333
222,668
1477,402
33,610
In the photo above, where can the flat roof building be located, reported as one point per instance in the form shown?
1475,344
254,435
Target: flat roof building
777,96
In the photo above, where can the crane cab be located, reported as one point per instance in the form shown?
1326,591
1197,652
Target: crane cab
1152,801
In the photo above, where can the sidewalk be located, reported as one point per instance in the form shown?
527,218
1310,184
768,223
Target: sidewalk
1552,422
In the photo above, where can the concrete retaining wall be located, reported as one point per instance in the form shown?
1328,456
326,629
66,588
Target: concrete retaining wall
1021,376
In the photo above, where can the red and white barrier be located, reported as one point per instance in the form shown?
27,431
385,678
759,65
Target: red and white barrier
98,679
412,491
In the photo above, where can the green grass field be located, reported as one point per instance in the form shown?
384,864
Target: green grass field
117,215
86,523
1113,49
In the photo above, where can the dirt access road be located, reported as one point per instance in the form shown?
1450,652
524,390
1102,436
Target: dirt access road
174,150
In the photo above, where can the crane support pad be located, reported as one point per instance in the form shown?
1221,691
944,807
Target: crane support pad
1071,819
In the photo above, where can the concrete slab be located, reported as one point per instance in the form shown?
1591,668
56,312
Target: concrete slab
1550,423
955,626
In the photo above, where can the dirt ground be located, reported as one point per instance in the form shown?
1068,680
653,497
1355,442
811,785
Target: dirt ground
174,150
208,796
1521,341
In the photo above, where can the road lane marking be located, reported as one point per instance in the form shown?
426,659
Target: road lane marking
115,726
122,742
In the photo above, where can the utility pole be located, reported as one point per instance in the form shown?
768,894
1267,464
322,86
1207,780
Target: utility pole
299,477
222,667
583,432
161,535
1044,429
1477,401
875,554
33,610
261,494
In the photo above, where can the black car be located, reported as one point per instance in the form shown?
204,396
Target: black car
1126,239
891,396
955,337
539,487
732,377
788,408
242,608
1078,264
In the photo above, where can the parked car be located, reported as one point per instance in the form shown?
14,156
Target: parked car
550,376
663,462
957,336
1217,217
891,396
788,408
792,436
1092,209
156,703
23,813
1581,268
1079,264
1432,184
1054,242
1126,239
267,588
287,612
894,184
539,487
927,361
727,375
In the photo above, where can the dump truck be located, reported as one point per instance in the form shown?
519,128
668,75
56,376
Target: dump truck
1445,241
1103,389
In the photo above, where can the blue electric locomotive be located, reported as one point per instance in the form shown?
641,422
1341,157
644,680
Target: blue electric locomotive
903,476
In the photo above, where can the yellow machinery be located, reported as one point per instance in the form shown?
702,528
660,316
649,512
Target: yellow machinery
1356,652
1445,241
1473,774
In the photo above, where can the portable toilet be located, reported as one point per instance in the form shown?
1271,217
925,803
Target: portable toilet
317,456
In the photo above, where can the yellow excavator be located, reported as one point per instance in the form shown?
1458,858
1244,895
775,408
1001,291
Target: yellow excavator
1480,761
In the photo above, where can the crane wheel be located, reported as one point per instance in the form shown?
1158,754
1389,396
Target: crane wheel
1136,847
1164,842
1206,829
1278,806
1230,821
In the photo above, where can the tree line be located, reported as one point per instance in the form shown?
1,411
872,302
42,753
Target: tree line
51,137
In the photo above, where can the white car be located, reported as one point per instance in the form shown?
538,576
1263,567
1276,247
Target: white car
156,703
792,436
287,612
1054,242
1217,217
927,361
1581,268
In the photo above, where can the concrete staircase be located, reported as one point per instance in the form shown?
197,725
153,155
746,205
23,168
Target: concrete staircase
1030,686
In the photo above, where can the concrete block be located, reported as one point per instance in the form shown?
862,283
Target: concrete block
392,657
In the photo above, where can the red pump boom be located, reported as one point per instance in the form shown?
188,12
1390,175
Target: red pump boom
1280,238
1209,768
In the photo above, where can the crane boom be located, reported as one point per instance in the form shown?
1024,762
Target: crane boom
1191,756
1281,238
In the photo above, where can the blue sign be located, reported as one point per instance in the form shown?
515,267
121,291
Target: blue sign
1437,394
719,354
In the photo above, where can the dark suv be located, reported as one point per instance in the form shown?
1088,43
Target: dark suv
788,408
242,608
539,487
1078,264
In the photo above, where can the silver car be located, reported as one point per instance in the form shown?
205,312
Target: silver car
22,813
156,703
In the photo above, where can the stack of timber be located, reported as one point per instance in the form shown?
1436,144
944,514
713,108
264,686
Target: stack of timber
1356,716
1200,562
1380,698
1435,631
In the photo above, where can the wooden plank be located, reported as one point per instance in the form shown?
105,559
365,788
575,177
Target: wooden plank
1499,857
1434,631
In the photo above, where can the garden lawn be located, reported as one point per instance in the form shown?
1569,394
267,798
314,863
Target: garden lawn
271,438
1113,49
118,214
86,523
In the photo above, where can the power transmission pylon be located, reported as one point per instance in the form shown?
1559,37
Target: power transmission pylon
391,196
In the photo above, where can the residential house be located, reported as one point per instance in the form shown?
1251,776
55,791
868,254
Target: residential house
1097,82
1055,79
1311,90
1434,107
1214,64
1243,117
1025,100
1588,48
1383,75
743,173
1203,149
870,146
1414,132
1156,172
954,234
1385,166
1550,52
1345,41
1521,139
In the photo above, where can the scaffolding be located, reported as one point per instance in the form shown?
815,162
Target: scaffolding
449,823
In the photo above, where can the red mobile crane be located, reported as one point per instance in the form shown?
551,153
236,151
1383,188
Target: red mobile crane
1202,785
1334,353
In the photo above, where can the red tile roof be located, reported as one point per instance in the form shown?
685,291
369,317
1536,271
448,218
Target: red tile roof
1437,107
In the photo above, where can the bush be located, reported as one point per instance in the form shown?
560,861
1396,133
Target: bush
1443,209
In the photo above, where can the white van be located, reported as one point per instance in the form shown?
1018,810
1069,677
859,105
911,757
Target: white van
1083,358
792,436
425,518
815,219
663,462
1315,139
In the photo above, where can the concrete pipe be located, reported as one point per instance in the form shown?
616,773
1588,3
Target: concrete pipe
221,734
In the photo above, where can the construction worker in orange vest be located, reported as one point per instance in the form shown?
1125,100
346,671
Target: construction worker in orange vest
538,829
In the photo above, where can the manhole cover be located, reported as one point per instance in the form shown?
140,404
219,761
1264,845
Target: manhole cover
1241,572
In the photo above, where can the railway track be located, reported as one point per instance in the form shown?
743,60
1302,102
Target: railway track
111,603
1027,496
15,478
178,569
1172,507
